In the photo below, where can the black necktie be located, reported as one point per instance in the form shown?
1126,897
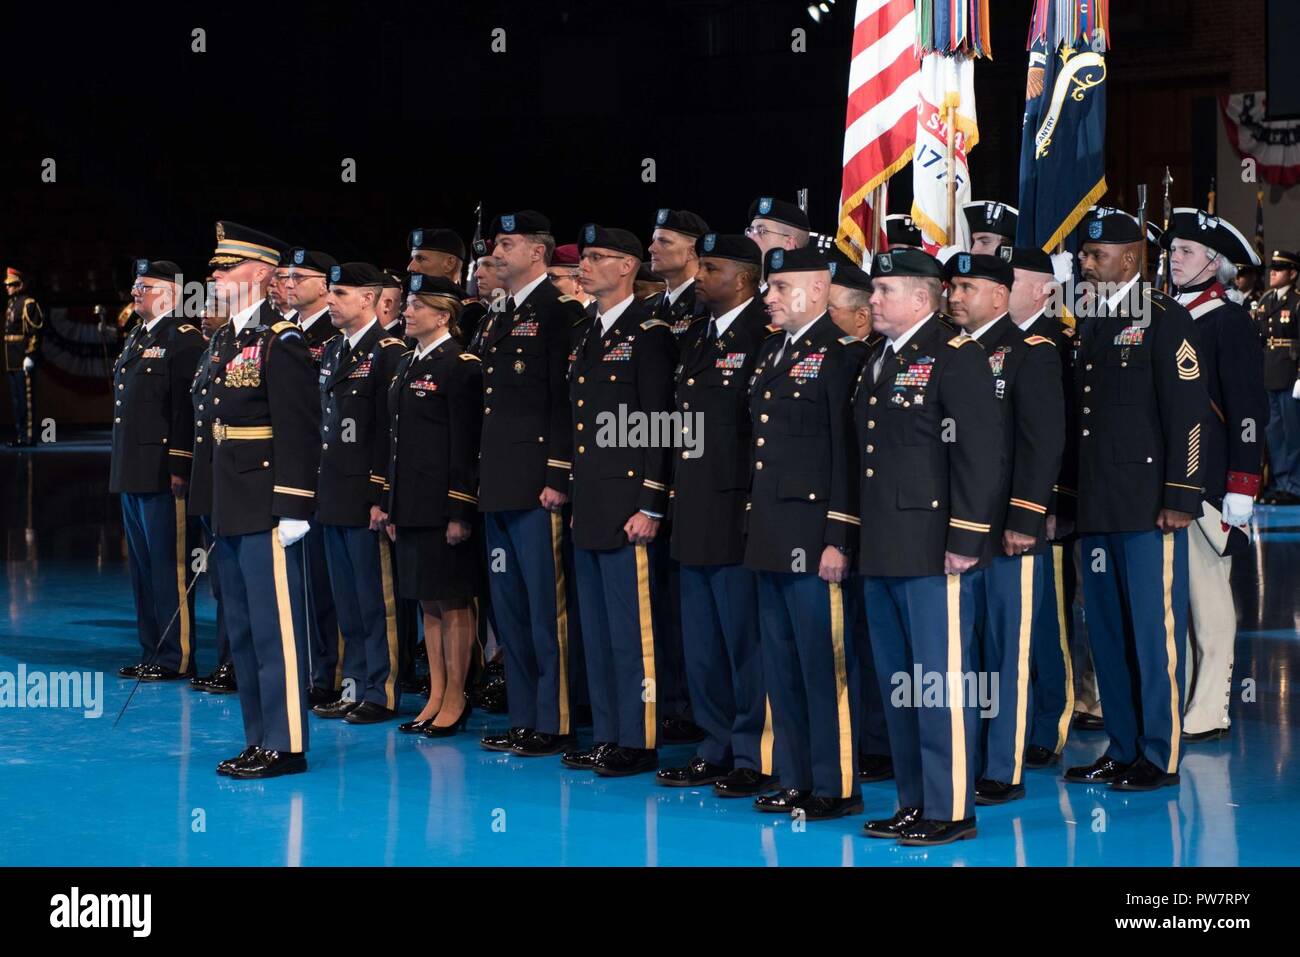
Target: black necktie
510,305
713,329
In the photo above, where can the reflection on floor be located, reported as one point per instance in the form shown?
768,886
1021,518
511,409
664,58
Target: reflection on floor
77,790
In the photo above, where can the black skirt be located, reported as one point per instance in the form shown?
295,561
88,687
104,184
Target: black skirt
429,569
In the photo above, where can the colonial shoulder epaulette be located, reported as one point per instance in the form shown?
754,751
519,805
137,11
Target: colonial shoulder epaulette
651,323
849,340
958,341
282,326
390,341
1038,341
187,328
470,357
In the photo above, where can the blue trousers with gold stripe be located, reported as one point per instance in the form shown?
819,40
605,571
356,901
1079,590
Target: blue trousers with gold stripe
532,599
1135,597
724,664
266,616
616,601
873,733
323,624
1014,594
927,625
214,580
1052,673
810,667
22,398
159,537
361,577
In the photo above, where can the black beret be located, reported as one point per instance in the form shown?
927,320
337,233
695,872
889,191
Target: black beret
979,266
845,273
236,244
1105,224
1028,258
355,274
803,259
392,280
1283,259
436,239
741,249
1209,230
643,274
433,286
986,216
156,269
524,221
681,221
610,238
778,210
906,262
312,259
901,231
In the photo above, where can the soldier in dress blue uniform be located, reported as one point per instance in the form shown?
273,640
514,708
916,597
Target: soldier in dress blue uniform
24,322
1277,316
153,438
777,224
1203,252
802,528
1142,404
719,598
265,429
355,372
621,379
991,224
436,251
1027,384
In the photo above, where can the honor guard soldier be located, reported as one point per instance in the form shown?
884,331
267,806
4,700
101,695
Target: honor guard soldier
1142,406
776,224
265,424
1277,316
23,324
307,287
1027,384
802,527
901,232
153,437
526,458
355,372
1203,251
1246,288
1051,675
719,598
621,386
991,225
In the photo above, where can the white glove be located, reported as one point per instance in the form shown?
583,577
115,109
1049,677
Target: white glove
1062,266
1295,389
291,529
1237,509
29,365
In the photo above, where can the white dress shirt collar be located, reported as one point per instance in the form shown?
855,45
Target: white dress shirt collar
241,319
608,319
354,339
728,317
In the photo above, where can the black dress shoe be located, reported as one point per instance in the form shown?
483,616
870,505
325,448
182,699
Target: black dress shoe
742,783
159,673
1102,771
781,802
875,767
824,808
271,764
1142,775
620,762
926,833
503,740
369,713
414,726
539,744
988,791
679,731
1087,722
239,760
221,681
1214,734
130,671
491,697
447,730
696,774
1037,756
317,696
338,708
586,760
903,818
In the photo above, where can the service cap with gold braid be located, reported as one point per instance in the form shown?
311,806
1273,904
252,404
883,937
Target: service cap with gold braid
236,244
1283,259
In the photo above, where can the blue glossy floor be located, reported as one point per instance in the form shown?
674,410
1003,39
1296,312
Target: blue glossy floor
77,790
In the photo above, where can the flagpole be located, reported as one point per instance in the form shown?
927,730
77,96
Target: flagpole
950,120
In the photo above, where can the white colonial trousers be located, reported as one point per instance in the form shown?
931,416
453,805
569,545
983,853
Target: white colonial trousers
1211,638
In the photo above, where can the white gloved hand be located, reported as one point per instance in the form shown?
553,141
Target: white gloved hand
1062,266
291,529
29,365
1237,509
1295,390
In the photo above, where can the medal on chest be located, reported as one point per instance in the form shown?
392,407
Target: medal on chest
245,369
1130,336
809,367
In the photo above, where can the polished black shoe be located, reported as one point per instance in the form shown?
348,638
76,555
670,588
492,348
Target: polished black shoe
317,696
159,673
825,808
221,681
679,731
875,767
368,712
1037,756
414,726
539,744
742,783
1102,771
447,730
696,774
1214,734
130,671
781,802
624,762
1087,722
926,833
586,760
271,764
988,791
239,760
503,740
338,708
903,818
492,697
1142,775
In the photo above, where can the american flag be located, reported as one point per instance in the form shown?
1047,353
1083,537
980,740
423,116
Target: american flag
880,123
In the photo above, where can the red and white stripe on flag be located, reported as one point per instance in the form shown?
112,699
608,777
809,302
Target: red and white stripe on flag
944,80
880,123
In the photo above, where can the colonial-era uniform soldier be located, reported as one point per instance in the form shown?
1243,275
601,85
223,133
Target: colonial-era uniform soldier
23,324
802,528
929,433
1027,384
621,390
991,224
1277,316
1202,252
719,598
355,372
265,427
152,450
901,231
1142,404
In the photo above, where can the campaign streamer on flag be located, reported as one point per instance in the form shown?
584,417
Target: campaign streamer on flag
880,122
945,81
